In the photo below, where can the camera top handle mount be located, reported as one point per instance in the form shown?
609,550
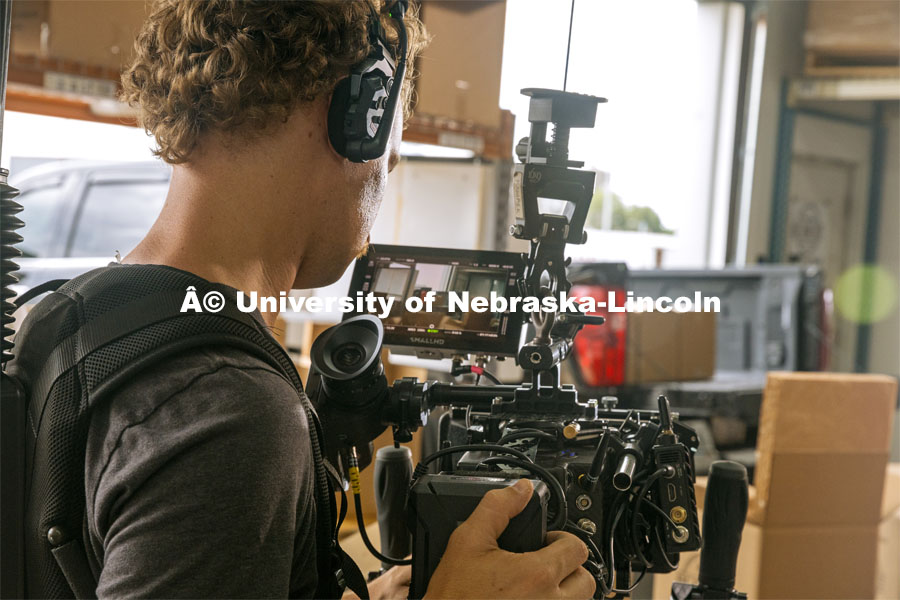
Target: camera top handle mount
552,196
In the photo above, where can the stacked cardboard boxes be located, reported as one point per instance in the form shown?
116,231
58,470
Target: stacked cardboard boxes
816,526
887,563
670,346
460,69
100,33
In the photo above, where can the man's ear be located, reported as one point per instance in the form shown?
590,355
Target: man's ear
316,116
338,103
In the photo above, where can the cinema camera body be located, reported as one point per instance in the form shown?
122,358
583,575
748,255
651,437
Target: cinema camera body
621,480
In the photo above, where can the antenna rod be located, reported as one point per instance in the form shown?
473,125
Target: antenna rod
5,30
569,45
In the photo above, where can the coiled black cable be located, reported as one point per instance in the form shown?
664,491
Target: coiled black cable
9,223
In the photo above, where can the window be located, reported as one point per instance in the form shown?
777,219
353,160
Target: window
667,69
115,216
41,217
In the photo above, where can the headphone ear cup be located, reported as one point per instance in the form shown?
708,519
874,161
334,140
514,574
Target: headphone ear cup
337,113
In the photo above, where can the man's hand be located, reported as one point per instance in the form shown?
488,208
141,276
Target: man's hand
474,566
393,584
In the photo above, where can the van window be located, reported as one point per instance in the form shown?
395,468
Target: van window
41,211
116,215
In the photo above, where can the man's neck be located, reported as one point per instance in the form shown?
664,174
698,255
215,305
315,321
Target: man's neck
216,226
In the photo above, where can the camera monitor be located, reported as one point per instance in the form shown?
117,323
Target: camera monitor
393,274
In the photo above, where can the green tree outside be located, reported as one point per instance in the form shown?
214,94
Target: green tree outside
624,217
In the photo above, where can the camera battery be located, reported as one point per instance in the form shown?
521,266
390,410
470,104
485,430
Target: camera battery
439,503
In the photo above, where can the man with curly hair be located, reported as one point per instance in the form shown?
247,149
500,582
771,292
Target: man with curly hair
199,475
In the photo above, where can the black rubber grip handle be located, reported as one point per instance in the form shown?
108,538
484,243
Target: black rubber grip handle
724,513
393,471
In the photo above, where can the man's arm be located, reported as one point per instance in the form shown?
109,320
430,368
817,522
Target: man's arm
200,497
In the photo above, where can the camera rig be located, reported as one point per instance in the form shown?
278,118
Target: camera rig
621,480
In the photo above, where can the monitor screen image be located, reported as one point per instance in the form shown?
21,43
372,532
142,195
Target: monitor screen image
402,272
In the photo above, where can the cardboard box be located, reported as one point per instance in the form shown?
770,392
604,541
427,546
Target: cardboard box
823,519
650,347
797,562
809,562
460,70
670,346
791,562
823,446
28,20
887,580
891,500
98,33
698,345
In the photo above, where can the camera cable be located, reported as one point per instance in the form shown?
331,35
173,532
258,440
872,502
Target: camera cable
637,510
595,564
612,569
526,433
421,468
460,369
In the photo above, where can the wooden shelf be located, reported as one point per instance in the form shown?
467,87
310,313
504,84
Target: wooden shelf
64,88
844,88
60,88
486,142
821,63
67,106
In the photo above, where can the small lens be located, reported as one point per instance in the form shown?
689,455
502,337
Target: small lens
348,356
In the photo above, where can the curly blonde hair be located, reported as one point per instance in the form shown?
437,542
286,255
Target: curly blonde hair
226,65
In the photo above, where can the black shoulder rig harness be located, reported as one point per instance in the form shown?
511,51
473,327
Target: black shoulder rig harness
82,342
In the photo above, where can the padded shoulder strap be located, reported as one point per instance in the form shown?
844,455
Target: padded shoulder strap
131,318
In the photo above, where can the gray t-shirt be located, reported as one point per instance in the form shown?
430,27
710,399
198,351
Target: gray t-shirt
200,483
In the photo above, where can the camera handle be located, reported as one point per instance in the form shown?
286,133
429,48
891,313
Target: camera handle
724,513
393,472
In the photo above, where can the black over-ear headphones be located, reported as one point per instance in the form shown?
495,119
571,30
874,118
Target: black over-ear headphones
363,105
